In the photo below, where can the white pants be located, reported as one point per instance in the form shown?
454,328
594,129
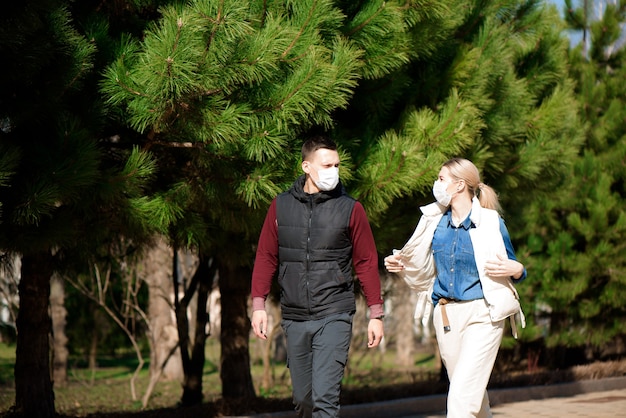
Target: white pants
468,351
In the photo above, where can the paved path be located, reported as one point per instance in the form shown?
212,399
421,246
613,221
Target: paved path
603,398
597,404
606,404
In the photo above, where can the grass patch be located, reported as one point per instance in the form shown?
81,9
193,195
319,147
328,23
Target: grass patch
7,362
370,377
106,389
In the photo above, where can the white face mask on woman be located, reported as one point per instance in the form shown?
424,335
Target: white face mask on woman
440,192
327,178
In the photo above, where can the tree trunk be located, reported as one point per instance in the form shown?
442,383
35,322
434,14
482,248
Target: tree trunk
9,298
234,284
404,304
34,396
194,366
157,273
59,338
92,354
165,356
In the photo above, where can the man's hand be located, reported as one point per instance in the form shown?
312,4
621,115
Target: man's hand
374,333
259,324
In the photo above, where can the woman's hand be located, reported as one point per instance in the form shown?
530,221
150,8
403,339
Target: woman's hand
393,263
504,267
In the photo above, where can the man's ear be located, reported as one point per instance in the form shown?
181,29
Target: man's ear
306,167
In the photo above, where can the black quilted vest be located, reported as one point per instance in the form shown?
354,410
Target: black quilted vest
315,252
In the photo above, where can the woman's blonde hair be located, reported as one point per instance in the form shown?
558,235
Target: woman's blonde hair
462,169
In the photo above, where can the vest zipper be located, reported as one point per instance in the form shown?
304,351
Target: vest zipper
308,254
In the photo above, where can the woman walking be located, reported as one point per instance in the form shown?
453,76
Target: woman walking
461,255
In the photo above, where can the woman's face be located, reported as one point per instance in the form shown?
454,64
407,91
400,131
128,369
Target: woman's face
454,187
446,177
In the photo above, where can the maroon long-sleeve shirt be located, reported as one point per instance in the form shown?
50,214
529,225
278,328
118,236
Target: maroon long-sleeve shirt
364,259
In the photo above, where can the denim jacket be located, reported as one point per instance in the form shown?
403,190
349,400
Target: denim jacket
420,272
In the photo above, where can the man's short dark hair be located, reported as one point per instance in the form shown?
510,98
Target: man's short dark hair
316,142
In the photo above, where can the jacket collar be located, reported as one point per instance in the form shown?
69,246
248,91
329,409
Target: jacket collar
476,213
297,190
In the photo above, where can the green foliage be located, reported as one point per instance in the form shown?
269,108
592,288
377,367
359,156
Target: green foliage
385,50
490,83
223,93
186,118
232,87
576,234
61,181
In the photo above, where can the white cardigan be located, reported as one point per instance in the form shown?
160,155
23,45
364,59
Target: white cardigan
420,272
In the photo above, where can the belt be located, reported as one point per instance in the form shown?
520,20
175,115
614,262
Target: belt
444,315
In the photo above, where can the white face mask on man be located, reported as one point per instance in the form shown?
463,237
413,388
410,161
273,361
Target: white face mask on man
327,178
441,193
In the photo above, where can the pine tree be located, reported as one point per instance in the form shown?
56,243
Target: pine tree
222,93
62,195
487,81
576,233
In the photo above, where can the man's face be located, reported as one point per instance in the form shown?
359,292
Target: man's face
321,159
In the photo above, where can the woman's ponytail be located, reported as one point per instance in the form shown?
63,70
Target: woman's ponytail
488,197
463,169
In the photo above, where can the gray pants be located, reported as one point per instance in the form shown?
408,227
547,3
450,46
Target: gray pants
317,352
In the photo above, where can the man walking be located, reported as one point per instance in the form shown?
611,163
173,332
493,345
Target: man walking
312,236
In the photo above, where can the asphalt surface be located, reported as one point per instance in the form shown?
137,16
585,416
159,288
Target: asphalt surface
601,398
